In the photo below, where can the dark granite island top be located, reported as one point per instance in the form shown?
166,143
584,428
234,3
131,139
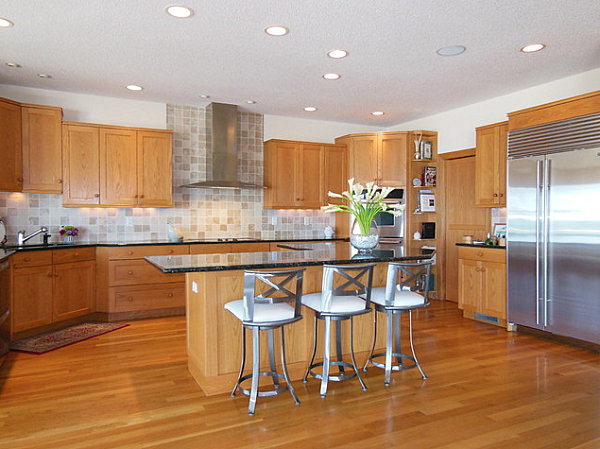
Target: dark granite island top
297,255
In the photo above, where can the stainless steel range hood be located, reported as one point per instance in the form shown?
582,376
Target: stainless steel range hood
221,121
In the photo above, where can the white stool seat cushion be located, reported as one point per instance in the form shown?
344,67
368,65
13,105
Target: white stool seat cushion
339,304
403,299
263,313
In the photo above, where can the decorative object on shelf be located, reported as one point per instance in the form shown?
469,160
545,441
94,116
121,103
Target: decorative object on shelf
68,233
418,153
364,204
429,176
328,232
175,234
416,182
426,150
428,230
427,201
500,230
417,235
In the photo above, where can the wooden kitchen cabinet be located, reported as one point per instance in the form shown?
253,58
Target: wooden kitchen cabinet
118,167
490,165
154,168
41,145
81,165
74,290
31,297
336,172
377,157
482,283
11,169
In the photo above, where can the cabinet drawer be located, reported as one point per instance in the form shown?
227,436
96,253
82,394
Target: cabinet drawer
73,255
484,254
31,259
139,252
134,272
212,248
152,297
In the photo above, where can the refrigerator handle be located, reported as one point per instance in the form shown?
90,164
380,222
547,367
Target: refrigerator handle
547,185
538,216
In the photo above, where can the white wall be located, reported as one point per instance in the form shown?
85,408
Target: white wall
291,128
93,108
456,128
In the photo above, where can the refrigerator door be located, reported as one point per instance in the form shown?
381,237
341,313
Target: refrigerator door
524,244
573,217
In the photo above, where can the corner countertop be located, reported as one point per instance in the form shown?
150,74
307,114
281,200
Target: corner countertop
5,253
478,245
301,255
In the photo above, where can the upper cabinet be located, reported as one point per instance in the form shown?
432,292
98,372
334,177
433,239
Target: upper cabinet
490,165
116,166
11,168
299,174
377,157
41,144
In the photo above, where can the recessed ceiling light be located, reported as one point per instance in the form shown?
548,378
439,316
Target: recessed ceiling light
532,48
204,96
250,101
452,50
310,109
332,76
135,87
44,75
179,11
5,23
377,113
13,64
337,54
276,30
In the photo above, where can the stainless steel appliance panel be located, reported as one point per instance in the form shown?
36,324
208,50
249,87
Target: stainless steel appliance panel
573,236
524,223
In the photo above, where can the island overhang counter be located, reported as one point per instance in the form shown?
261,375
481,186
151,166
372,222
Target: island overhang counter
212,280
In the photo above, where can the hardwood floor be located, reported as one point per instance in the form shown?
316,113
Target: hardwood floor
131,389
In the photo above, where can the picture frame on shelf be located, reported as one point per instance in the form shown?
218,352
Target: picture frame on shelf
500,230
430,176
427,202
426,150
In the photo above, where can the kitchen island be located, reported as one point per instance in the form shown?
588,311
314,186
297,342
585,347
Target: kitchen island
214,335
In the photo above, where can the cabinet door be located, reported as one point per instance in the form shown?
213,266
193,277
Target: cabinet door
32,297
11,168
155,172
501,157
363,158
494,289
118,167
280,175
392,160
81,165
74,290
309,178
42,153
469,285
335,173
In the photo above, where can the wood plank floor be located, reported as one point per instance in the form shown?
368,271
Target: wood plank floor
131,389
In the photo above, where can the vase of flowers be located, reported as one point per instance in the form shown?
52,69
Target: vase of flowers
68,233
364,203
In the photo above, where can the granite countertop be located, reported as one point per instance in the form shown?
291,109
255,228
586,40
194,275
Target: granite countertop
479,245
301,255
4,253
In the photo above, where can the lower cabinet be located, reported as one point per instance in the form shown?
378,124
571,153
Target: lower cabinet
52,286
482,284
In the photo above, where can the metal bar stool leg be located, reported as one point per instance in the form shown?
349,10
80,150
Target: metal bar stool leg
255,369
270,341
243,362
412,348
374,339
397,334
285,370
326,356
388,347
338,344
356,370
314,352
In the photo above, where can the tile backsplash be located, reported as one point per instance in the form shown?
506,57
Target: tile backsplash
199,213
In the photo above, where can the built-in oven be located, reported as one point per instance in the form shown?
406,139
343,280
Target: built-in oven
391,227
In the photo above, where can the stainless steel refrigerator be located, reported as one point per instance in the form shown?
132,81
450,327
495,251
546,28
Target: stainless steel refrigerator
553,228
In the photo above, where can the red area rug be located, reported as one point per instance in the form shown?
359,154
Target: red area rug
63,337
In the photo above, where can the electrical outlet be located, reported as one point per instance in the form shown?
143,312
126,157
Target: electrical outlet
274,221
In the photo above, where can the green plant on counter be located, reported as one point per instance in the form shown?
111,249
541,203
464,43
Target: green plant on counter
364,203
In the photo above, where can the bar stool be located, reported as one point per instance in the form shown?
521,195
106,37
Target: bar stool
397,297
338,304
275,307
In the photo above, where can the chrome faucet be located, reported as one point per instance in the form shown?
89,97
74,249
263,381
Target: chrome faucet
22,238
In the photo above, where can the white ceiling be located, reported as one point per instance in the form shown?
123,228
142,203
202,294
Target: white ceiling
98,47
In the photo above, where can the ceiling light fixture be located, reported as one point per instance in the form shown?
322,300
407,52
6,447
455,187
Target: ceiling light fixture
5,23
337,54
276,30
13,64
532,48
135,87
377,113
250,101
179,11
451,50
310,109
44,75
332,76
204,96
